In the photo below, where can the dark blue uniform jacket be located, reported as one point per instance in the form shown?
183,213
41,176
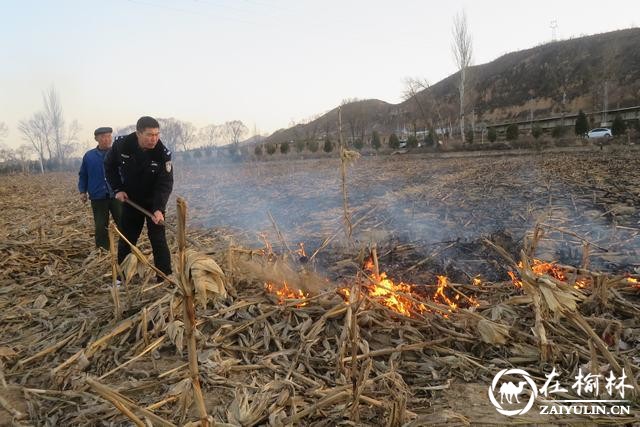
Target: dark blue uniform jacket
145,175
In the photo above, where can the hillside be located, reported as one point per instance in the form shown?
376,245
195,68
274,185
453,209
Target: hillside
357,117
556,77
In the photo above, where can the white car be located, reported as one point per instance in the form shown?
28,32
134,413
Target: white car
599,133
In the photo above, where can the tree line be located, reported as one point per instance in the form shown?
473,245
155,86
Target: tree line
54,142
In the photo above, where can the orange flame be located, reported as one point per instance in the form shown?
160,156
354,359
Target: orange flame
391,295
517,282
440,296
634,282
403,297
284,293
540,268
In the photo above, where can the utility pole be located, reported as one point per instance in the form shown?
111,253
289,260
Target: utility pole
554,30
531,116
605,104
473,120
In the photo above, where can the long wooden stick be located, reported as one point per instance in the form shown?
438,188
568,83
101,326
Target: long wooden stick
164,223
138,254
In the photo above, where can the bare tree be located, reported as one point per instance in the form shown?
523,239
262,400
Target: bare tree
6,154
60,141
23,154
70,142
416,89
412,91
177,135
354,114
187,135
4,131
463,53
36,131
234,131
128,130
169,132
55,118
210,135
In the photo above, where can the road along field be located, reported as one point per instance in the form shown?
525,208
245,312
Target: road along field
446,283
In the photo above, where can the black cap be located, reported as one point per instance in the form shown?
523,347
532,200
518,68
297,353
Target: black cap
102,130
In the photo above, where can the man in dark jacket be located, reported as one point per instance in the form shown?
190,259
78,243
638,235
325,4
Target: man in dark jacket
138,168
92,181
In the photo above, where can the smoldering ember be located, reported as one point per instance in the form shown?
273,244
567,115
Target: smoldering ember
456,267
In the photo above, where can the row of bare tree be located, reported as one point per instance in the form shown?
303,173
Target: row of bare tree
47,133
20,155
180,135
54,142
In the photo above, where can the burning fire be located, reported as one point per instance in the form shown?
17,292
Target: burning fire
284,293
633,282
391,295
540,268
443,282
403,298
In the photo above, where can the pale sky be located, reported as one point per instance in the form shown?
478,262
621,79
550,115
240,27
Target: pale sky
265,62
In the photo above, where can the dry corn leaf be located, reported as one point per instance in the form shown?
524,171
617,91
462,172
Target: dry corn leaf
130,267
247,409
492,332
349,156
7,352
180,387
206,275
175,330
40,302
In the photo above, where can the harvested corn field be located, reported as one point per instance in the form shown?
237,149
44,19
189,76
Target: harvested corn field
458,269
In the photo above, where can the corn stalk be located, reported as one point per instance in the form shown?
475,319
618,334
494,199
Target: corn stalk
188,291
117,310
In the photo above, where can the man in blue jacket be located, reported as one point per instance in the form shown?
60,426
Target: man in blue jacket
92,181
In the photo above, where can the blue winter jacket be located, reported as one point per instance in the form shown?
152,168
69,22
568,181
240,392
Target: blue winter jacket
92,178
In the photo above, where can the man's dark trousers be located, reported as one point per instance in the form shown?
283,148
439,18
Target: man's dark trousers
101,209
131,225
